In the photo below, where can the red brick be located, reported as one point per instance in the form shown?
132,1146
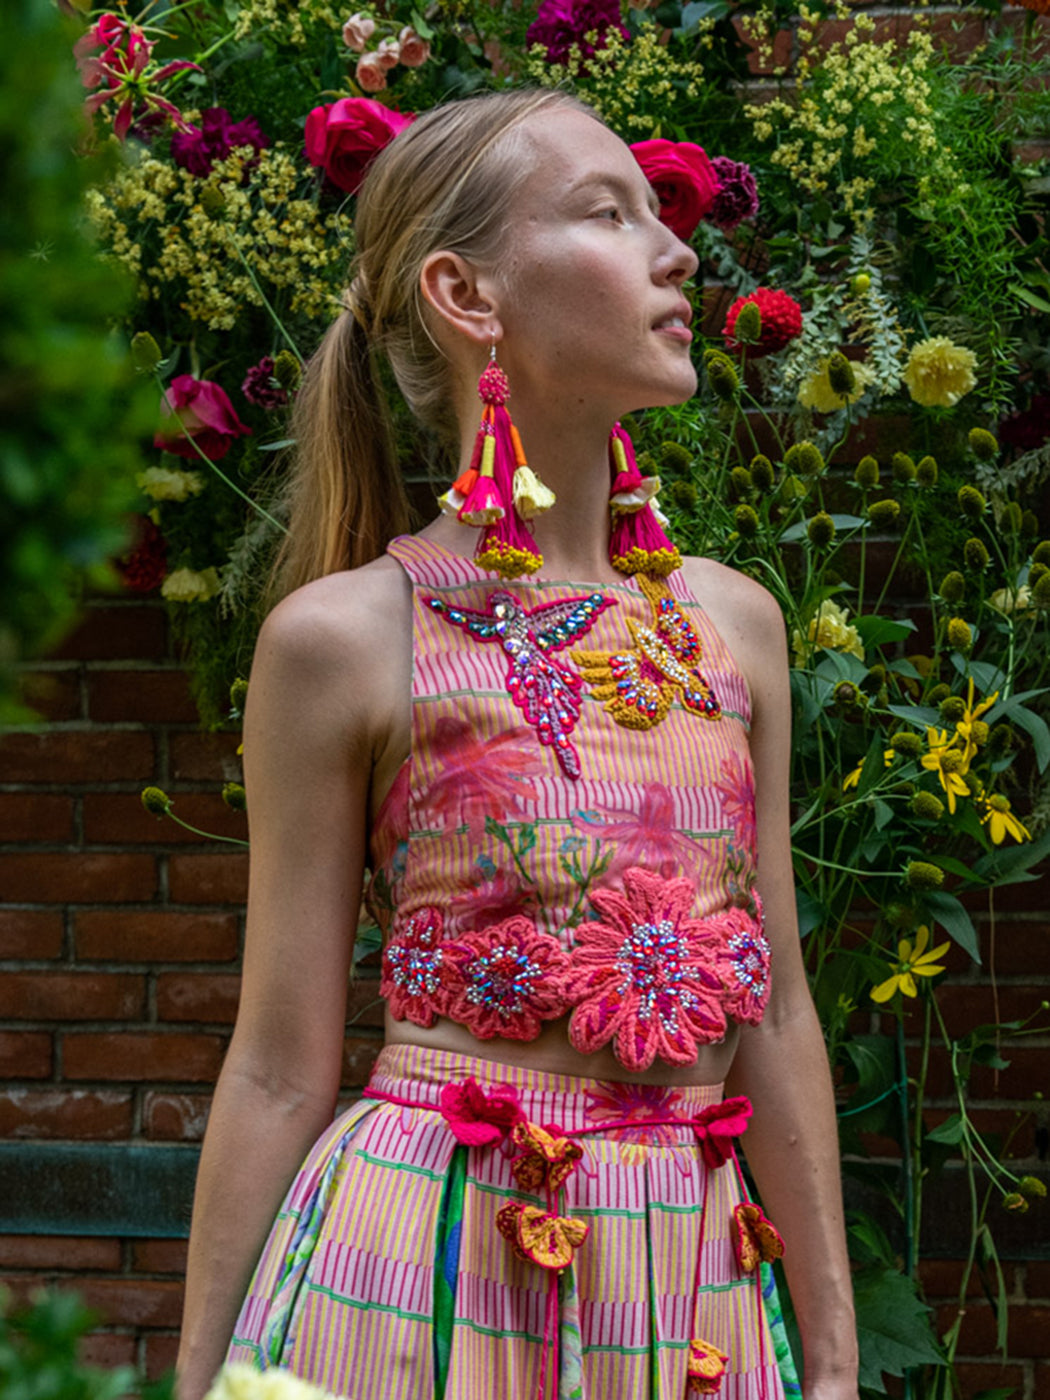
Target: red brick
1042,1381
155,697
107,1350
209,879
974,1376
72,996
119,819
35,816
141,1055
1028,1331
198,996
25,1054
124,632
359,1055
59,1252
30,933
1037,1278
364,1005
1027,1075
52,695
211,758
79,1114
942,1278
133,1302
161,1351
75,756
978,1327
965,1006
155,936
76,877
158,1257
176,1117
1023,948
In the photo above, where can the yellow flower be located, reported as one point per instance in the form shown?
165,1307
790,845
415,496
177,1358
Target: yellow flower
852,779
911,963
949,762
189,586
816,392
939,373
966,728
167,484
827,628
239,1381
1001,821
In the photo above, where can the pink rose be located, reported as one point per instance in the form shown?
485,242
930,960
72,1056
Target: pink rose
200,416
345,137
370,73
414,50
357,31
388,53
684,179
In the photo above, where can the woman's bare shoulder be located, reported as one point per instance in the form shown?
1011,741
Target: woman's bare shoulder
741,608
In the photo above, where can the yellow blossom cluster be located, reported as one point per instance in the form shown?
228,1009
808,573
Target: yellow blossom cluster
238,1381
634,86
191,585
852,98
217,241
286,21
827,628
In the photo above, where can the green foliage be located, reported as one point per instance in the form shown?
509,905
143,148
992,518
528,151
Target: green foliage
70,412
38,1353
893,1327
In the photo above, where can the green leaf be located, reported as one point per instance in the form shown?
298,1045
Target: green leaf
874,766
841,522
1030,298
526,838
276,446
1039,731
876,630
950,1131
883,813
921,716
893,1327
1010,866
950,914
811,913
987,678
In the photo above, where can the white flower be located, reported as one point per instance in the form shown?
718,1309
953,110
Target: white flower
239,1381
827,628
1008,600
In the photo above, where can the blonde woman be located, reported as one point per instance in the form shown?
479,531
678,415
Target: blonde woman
568,785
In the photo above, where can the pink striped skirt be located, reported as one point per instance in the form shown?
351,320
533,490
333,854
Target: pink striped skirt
387,1275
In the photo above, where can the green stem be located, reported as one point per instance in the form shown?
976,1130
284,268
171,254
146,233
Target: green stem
265,301
209,835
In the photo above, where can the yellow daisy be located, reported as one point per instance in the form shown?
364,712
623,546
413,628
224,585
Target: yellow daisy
1001,821
911,963
949,762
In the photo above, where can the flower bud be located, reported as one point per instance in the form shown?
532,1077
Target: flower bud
238,695
1029,524
847,696
883,514
877,673
747,522
233,795
820,530
975,554
971,502
145,353
860,284
748,327
1041,591
927,806
926,472
357,31
983,445
762,474
1001,739
156,801
1041,553
1014,1201
415,50
1012,517
805,458
840,375
952,709
1031,1186
938,693
921,875
723,378
953,587
675,458
959,634
903,467
740,481
907,743
684,494
287,370
793,488
866,473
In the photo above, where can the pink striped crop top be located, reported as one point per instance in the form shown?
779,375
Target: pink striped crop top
574,830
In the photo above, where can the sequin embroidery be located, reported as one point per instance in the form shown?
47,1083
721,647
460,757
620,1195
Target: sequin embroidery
544,689
640,684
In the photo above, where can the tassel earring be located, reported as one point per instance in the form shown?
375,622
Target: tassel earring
638,544
499,491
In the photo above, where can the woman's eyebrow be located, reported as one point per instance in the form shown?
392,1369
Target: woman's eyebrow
618,185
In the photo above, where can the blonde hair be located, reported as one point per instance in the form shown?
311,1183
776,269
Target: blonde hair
445,183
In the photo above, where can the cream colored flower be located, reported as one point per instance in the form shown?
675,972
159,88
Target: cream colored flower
168,484
531,497
939,372
190,586
239,1381
1008,600
816,392
827,628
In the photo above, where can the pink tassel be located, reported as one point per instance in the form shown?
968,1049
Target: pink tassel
639,546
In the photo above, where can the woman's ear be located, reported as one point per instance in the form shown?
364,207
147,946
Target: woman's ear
463,299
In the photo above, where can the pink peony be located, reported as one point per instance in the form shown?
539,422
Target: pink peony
414,49
684,179
346,136
357,31
199,416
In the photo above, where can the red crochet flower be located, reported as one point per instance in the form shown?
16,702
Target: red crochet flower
749,958
413,960
781,322
506,979
647,974
717,1126
479,1119
756,1240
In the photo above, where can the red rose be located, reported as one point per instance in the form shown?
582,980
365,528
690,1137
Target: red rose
345,137
684,179
781,322
199,416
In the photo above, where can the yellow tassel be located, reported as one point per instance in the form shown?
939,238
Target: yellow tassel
531,497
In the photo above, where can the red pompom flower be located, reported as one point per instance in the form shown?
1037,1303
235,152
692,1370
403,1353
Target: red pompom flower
781,322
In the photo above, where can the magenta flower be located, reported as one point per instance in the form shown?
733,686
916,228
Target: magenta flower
197,148
260,388
345,137
413,964
478,778
505,980
683,178
647,837
635,1104
560,24
200,417
123,73
737,786
737,197
646,975
479,1119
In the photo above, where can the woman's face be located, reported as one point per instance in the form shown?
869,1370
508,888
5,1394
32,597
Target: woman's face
590,281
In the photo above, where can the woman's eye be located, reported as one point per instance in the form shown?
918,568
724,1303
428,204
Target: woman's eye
611,213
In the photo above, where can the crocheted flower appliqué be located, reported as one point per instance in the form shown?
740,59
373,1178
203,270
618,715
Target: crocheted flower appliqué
478,1119
505,980
647,976
756,1240
548,1240
640,683
546,1161
707,1366
749,955
544,689
413,963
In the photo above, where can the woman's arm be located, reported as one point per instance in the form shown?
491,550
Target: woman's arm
792,1141
319,712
